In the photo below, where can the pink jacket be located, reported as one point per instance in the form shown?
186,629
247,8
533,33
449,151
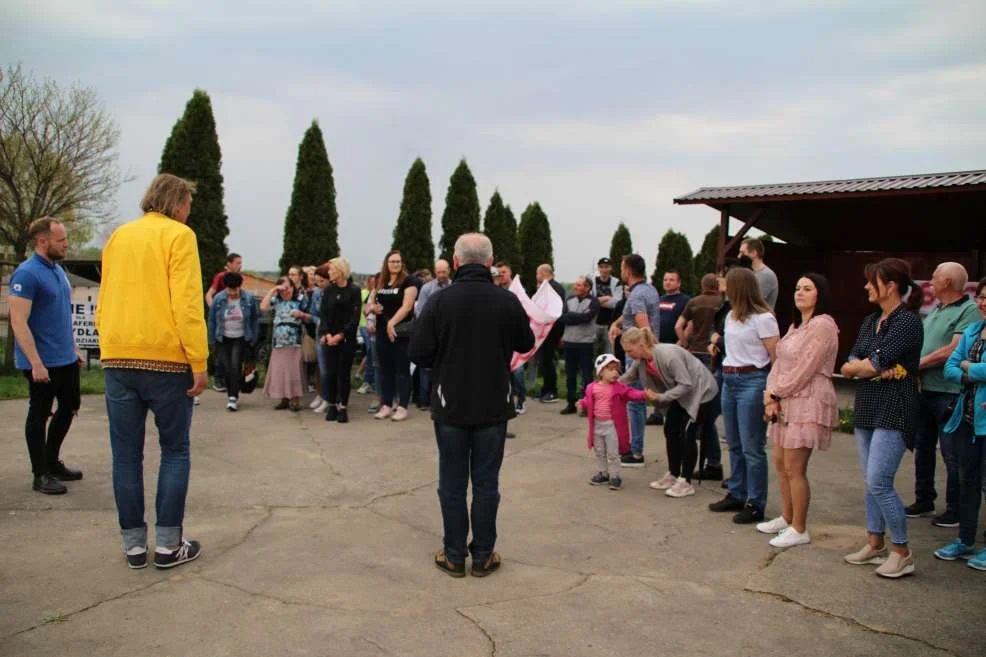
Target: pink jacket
622,393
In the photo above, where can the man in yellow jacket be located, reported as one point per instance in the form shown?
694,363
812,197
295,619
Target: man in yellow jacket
153,347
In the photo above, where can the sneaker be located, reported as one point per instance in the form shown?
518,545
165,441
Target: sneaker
708,473
316,402
681,488
400,414
896,565
665,482
548,398
728,503
322,407
521,408
511,434
219,386
373,407
364,389
61,473
48,485
599,479
196,401
956,550
486,567
451,569
790,537
978,562
615,483
331,412
187,551
748,515
343,416
775,526
632,461
867,555
947,519
232,405
655,420
384,412
919,509
311,388
137,557
569,410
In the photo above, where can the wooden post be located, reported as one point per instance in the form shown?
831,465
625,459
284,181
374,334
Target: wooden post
723,232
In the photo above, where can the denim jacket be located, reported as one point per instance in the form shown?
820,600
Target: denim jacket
217,317
977,374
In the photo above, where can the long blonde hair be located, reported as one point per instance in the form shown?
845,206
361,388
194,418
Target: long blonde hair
636,335
165,194
744,295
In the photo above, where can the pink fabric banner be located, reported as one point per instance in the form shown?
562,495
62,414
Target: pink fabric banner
543,309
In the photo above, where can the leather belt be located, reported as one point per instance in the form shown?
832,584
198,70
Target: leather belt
746,369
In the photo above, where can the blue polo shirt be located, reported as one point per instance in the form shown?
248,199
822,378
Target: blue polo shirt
46,286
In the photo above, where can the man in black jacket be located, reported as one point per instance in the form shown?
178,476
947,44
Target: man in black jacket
467,335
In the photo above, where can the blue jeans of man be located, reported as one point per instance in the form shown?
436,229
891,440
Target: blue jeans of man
578,361
424,383
637,412
880,454
971,452
929,434
369,370
746,434
129,395
518,387
464,451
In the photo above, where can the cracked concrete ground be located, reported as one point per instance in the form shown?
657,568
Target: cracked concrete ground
318,540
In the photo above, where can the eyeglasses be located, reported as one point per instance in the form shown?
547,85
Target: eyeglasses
980,298
394,262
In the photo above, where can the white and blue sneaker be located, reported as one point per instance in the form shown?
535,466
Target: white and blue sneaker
978,562
957,550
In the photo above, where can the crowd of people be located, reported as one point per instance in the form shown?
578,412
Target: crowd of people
624,344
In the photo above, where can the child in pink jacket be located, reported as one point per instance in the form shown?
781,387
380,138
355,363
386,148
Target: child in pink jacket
605,403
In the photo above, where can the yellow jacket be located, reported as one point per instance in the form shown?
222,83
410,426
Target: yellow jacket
150,299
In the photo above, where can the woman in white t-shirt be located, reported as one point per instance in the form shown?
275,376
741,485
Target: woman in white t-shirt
751,335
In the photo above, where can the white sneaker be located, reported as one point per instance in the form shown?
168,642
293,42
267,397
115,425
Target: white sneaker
322,407
521,408
681,488
363,389
196,401
789,538
384,412
400,414
775,526
316,402
232,405
665,482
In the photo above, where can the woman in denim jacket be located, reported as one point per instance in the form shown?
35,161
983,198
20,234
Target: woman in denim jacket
233,325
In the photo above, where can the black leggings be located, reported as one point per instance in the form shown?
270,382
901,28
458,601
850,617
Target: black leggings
339,363
231,356
63,385
680,434
395,370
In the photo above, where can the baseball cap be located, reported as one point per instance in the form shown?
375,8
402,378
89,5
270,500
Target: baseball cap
604,360
604,261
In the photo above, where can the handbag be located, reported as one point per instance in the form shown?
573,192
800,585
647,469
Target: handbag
404,329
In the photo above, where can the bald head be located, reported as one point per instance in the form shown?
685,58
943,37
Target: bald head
544,273
953,275
473,249
442,270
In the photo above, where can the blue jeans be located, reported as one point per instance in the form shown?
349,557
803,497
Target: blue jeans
637,412
928,435
475,450
746,433
129,395
322,351
517,386
880,453
369,369
424,386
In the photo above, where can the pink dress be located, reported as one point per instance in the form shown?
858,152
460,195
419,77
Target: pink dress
802,377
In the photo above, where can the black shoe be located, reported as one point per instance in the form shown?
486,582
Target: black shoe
187,551
137,561
449,568
750,514
48,485
283,404
487,567
615,483
947,519
599,479
568,410
331,413
728,503
511,434
919,509
342,416
655,419
708,473
61,473
632,461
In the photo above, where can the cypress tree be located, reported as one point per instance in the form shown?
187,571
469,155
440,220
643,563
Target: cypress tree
534,235
501,227
311,227
461,209
705,260
412,234
674,252
620,246
192,152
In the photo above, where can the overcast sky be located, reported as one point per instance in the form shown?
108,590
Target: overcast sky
601,111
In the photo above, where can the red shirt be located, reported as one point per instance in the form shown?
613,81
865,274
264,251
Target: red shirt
217,282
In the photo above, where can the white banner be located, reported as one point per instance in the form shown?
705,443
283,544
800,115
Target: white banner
543,310
84,325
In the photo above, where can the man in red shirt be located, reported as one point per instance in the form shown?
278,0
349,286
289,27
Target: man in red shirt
234,263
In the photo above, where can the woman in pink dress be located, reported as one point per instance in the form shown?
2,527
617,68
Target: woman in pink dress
800,403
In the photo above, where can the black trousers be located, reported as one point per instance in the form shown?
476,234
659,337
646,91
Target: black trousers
546,361
578,360
63,385
680,434
231,351
339,362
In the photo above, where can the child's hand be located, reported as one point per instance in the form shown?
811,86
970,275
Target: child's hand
580,404
651,395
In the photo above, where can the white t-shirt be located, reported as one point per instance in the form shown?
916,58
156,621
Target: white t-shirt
744,340
233,326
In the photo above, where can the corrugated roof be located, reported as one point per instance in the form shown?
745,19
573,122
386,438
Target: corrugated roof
854,186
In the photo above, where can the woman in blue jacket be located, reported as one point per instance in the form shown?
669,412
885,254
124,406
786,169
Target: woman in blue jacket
967,366
233,325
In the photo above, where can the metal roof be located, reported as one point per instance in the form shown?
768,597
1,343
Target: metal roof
855,187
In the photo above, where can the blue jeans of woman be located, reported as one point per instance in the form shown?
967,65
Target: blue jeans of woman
880,454
395,371
746,434
129,395
971,452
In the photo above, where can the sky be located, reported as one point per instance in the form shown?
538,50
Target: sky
600,111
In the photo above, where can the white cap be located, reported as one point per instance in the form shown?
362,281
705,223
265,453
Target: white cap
603,361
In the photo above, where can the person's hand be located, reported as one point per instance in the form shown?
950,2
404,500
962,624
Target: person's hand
199,383
604,300
39,373
324,339
335,340
580,404
79,357
848,370
651,395
614,331
391,331
377,308
297,313
886,375
964,366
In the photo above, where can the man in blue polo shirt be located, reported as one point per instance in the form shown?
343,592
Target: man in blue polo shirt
41,315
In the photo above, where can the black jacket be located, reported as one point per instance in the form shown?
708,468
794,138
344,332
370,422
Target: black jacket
467,335
340,311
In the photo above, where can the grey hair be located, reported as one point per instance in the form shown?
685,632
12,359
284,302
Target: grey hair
548,269
956,273
584,280
473,249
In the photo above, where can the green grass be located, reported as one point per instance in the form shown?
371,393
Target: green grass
846,420
13,385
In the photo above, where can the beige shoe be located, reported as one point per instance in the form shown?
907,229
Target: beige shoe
400,414
867,555
383,413
665,482
897,565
